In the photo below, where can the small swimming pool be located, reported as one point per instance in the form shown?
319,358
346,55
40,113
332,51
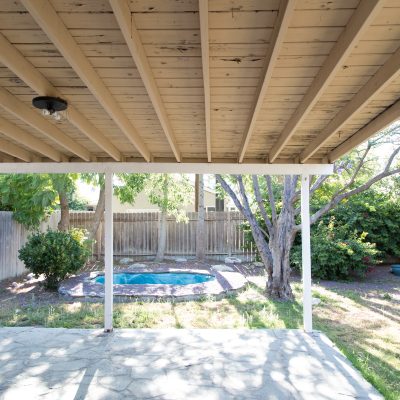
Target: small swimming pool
161,278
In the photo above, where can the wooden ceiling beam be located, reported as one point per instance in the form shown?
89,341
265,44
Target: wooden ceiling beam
27,114
5,158
377,83
355,28
7,128
205,59
47,18
17,63
281,25
14,150
126,23
384,119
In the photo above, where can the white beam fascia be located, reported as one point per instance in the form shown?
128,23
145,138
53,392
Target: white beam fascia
157,168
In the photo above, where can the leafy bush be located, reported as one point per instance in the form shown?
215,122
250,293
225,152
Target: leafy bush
375,213
55,254
337,253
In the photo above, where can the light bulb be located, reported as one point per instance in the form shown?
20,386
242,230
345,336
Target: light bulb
57,116
45,112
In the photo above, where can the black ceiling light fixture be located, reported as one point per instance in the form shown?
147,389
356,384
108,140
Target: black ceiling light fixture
50,106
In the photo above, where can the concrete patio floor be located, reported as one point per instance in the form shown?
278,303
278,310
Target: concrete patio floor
174,364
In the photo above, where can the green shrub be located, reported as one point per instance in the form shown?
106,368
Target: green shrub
375,213
337,253
55,254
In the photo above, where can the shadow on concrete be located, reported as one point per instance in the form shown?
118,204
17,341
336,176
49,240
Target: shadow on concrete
174,364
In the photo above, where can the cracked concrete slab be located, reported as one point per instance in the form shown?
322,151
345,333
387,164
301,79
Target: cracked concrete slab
175,364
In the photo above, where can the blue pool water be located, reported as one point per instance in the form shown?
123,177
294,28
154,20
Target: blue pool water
163,278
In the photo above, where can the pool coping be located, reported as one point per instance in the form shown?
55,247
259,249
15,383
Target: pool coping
83,286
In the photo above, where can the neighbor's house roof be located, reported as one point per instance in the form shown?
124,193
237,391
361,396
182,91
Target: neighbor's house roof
188,80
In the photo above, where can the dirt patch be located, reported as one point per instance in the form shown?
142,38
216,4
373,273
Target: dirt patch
377,282
23,291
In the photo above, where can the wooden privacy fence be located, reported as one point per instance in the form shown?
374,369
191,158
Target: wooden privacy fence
12,237
136,234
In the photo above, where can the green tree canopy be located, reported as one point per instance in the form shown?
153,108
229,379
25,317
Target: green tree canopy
33,197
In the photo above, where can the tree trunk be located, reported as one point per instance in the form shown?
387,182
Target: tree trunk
99,213
162,237
162,232
273,245
63,225
280,244
196,192
200,231
262,246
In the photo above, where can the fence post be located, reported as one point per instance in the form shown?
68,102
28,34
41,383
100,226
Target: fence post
137,234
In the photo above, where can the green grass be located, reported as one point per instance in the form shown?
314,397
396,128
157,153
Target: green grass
365,329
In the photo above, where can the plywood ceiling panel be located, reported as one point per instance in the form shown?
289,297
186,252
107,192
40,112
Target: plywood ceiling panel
240,36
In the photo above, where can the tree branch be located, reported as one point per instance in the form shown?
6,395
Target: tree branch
317,184
260,203
243,194
271,198
287,191
391,158
357,170
231,193
244,208
339,197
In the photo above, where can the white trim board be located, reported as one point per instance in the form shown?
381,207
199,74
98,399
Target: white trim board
186,168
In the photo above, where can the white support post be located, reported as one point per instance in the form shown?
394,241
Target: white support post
108,254
306,252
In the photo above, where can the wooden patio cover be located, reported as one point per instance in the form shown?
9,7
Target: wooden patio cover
252,81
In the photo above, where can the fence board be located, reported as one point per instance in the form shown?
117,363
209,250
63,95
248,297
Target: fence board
12,237
135,235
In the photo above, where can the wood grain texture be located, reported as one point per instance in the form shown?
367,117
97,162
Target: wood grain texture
240,32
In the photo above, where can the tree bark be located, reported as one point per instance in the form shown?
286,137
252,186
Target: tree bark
200,231
98,214
275,243
196,192
273,250
162,237
162,232
280,244
63,225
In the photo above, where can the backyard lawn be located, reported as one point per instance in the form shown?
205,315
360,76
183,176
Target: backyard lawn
361,318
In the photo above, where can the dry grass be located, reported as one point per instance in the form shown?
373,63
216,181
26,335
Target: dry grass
366,328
